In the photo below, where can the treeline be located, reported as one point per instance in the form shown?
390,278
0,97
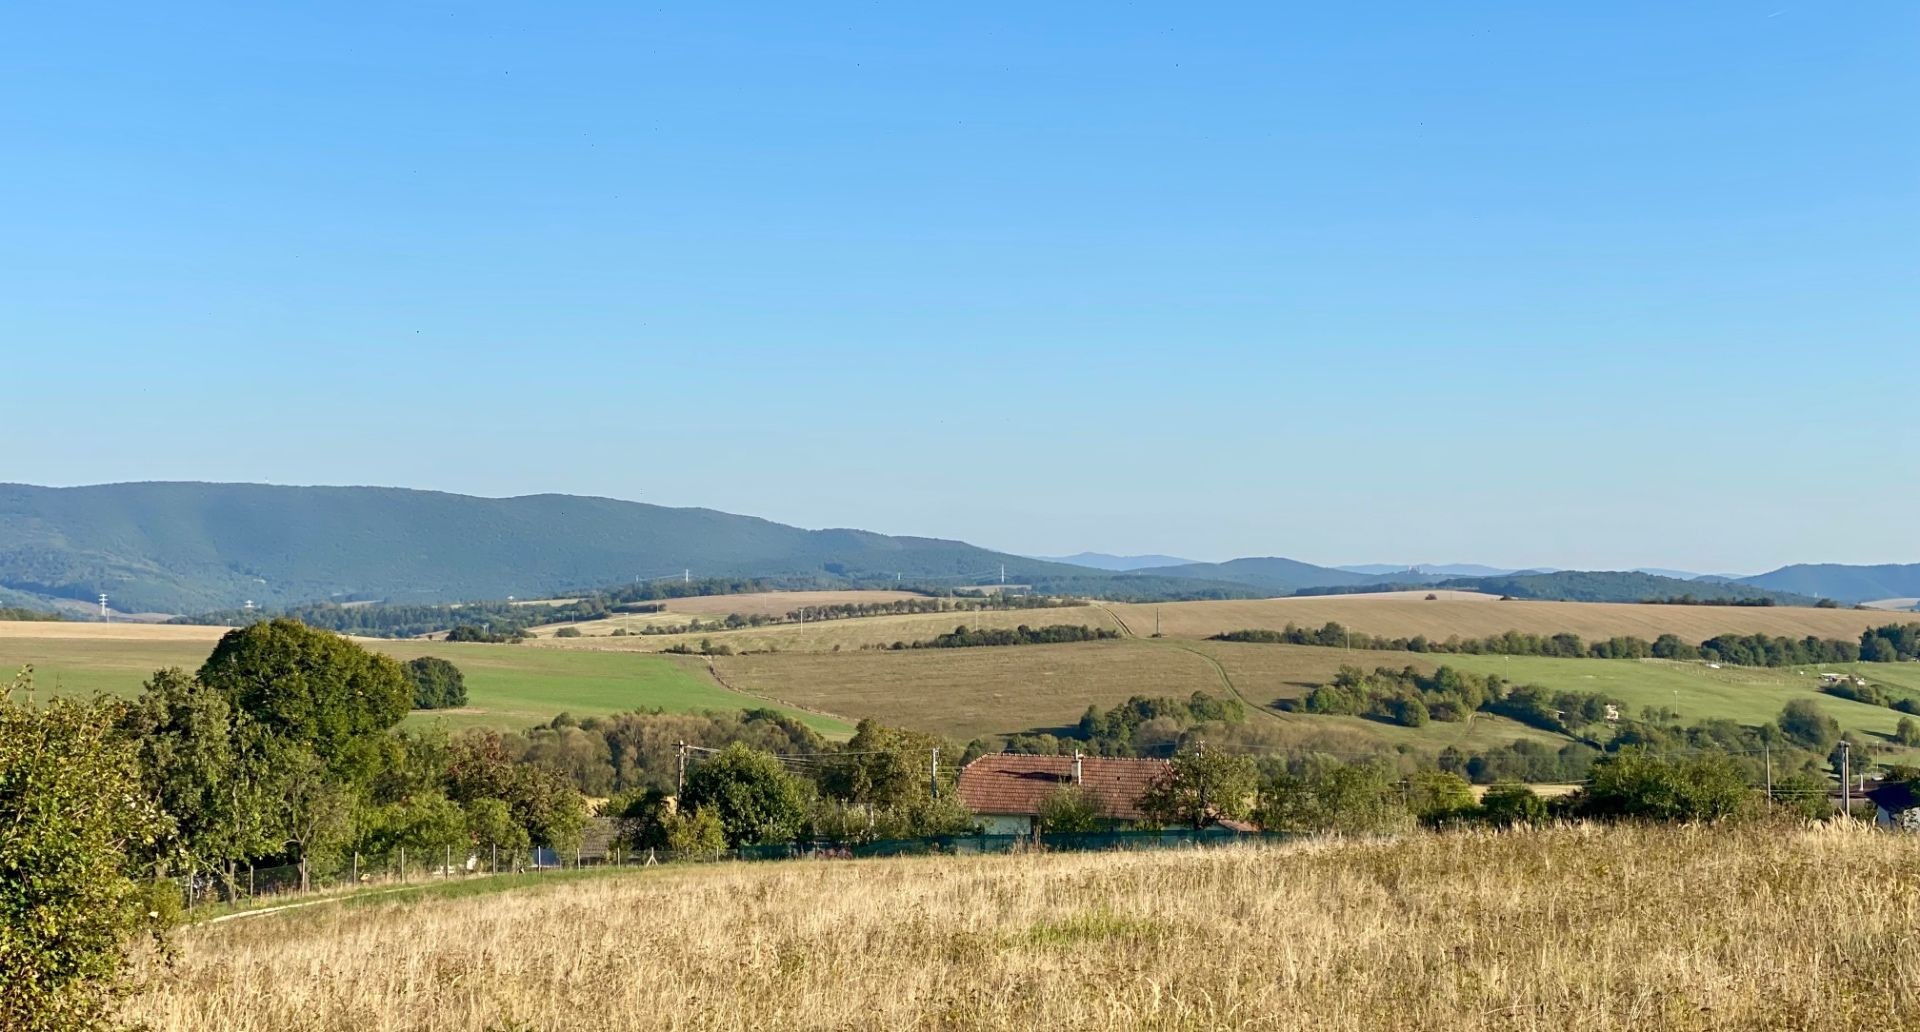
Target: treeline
1891,643
1411,698
22,613
1796,744
1694,600
963,637
1315,795
881,784
852,610
1140,726
501,620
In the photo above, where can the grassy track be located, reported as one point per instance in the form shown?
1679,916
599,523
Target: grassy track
507,685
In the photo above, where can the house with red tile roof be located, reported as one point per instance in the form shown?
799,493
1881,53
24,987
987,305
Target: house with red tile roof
1006,790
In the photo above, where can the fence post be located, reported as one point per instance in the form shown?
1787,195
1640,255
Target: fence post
356,867
494,867
447,871
250,892
403,865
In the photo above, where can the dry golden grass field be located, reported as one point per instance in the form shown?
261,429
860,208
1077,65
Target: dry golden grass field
1571,929
966,693
826,635
1404,614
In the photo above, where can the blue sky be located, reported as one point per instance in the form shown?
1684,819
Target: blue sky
1581,285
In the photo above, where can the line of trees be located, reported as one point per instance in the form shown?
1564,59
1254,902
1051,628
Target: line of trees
881,785
1890,643
963,637
20,613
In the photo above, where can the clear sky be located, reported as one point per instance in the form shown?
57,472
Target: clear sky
1588,285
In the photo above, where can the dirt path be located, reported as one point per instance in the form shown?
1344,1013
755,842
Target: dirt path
264,911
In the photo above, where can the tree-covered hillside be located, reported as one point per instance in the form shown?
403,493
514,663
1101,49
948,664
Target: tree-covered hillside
193,547
1843,583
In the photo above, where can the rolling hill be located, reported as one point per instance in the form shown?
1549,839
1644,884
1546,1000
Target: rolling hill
1277,576
193,547
1115,563
1842,583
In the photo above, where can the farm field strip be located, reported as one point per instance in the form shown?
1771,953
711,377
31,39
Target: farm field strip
508,685
827,635
1409,614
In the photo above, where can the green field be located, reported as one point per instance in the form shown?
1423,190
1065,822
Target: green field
507,685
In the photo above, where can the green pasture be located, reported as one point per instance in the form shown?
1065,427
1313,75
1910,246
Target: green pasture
507,685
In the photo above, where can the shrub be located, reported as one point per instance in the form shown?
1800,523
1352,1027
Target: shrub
1071,810
1806,726
1633,783
567,632
437,684
73,820
1351,800
1511,803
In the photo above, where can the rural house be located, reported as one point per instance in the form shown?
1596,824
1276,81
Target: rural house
1006,790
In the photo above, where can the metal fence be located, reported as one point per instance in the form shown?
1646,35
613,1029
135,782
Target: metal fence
265,884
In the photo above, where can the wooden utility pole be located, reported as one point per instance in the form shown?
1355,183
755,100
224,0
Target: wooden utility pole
680,780
934,782
1769,749
1846,778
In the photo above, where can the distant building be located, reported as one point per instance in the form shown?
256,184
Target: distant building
1006,790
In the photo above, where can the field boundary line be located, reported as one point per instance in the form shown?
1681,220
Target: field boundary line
1227,680
714,670
1125,631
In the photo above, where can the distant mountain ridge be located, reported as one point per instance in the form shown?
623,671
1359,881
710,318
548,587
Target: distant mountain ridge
1115,563
1843,583
194,547
1280,576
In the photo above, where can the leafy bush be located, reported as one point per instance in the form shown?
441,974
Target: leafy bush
73,824
1633,783
437,684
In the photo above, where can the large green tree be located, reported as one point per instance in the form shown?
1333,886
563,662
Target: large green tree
311,687
1201,787
200,762
1349,799
755,798
437,684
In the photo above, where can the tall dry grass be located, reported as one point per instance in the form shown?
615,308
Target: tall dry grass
1565,929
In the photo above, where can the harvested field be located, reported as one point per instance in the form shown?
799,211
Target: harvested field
827,635
1405,614
965,693
1581,929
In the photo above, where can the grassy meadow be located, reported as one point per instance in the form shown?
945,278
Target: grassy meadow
507,685
1566,928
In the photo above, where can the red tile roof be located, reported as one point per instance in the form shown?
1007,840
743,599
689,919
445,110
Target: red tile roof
1012,783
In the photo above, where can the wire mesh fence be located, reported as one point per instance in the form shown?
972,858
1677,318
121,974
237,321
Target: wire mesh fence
247,886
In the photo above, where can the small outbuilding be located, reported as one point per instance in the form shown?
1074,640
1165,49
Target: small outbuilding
1006,790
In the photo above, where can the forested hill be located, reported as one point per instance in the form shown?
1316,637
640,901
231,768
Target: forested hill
193,547
1276,576
1843,583
1619,586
